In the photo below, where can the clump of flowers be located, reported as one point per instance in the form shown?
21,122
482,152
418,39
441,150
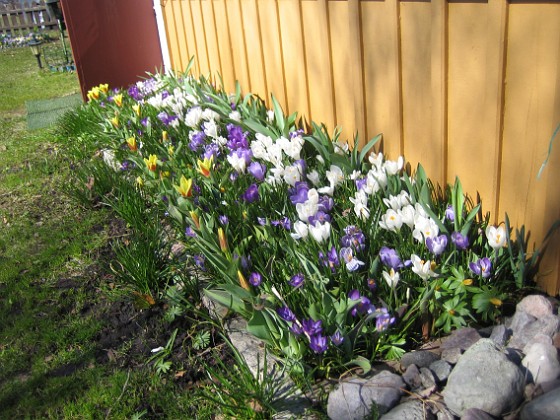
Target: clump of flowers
334,256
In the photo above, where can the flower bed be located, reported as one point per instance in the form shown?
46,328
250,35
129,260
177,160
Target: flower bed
334,256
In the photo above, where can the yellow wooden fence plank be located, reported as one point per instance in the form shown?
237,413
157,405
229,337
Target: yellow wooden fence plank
212,46
251,27
224,42
238,45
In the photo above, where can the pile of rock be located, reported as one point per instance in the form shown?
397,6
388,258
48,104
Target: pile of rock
509,371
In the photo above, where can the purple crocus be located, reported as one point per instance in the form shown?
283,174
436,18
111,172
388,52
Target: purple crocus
251,194
199,260
255,279
190,232
318,343
437,244
390,258
286,314
459,240
320,217
296,329
482,267
311,327
211,150
353,238
223,219
330,260
384,320
297,280
361,183
261,221
326,203
298,194
352,263
354,294
372,284
236,137
258,170
197,141
337,338
450,213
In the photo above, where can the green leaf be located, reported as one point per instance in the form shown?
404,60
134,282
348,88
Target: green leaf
361,362
366,149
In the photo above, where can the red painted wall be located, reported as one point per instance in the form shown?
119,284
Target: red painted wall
113,41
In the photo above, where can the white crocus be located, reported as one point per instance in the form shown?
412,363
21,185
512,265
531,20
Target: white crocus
314,177
210,115
393,167
407,215
292,174
335,175
320,232
211,129
391,220
424,228
270,115
376,159
237,163
496,236
301,230
360,201
392,278
235,116
193,117
310,207
421,267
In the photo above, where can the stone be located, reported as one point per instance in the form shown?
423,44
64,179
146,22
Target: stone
451,356
541,360
548,325
520,320
411,377
443,413
441,370
463,338
500,334
486,379
476,414
353,398
556,340
538,338
547,406
514,355
428,379
409,410
537,306
421,358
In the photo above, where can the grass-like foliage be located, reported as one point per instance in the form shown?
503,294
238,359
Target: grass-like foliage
334,255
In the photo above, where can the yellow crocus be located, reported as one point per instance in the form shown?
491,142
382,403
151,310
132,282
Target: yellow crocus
151,162
242,281
468,282
93,93
205,166
170,150
164,135
185,187
132,145
117,99
104,87
195,219
115,121
222,239
139,181
496,302
136,109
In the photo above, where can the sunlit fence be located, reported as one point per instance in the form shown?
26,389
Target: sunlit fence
18,20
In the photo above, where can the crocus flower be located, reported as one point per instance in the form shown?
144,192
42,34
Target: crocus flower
222,240
93,93
311,327
318,343
352,263
300,230
242,280
115,121
298,194
136,108
383,320
354,294
199,260
372,284
251,194
450,213
205,166
353,238
390,258
337,338
297,280
197,140
117,99
190,232
185,187
151,162
421,267
482,267
320,232
496,236
255,279
296,329
391,220
286,314
223,219
392,278
437,244
132,145
459,240
258,170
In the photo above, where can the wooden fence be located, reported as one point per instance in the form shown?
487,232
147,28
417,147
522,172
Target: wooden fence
15,19
467,88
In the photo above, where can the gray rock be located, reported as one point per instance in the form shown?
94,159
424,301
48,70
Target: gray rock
541,360
486,379
476,414
520,320
462,339
428,379
451,356
443,413
441,370
409,410
421,358
514,355
547,406
548,325
411,377
354,398
500,334
538,338
535,305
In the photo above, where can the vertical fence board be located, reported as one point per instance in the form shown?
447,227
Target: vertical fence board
293,56
272,52
529,122
224,41
251,26
416,85
169,15
238,46
381,69
212,46
194,11
471,147
317,50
